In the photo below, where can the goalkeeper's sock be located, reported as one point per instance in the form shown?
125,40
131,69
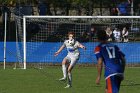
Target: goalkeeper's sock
70,79
64,69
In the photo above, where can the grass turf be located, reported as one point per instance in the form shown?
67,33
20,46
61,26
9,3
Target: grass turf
46,81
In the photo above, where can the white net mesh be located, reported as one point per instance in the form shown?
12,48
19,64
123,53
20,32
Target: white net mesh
45,34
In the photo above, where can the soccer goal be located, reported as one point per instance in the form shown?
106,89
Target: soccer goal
39,37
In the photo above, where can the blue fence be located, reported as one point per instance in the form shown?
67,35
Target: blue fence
46,51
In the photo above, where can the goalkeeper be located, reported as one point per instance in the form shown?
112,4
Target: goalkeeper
72,57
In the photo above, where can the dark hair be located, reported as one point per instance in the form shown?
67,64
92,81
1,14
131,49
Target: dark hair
101,35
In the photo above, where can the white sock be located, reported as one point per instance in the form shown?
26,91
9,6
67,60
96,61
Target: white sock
64,69
69,78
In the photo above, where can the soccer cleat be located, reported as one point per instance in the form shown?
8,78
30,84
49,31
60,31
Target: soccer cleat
62,79
68,86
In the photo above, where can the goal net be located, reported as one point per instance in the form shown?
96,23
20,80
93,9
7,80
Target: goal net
39,37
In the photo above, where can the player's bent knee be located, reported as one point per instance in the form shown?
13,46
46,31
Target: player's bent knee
64,61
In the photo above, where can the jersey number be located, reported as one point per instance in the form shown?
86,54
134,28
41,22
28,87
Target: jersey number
111,52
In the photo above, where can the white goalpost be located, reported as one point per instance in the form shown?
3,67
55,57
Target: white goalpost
24,41
38,34
5,31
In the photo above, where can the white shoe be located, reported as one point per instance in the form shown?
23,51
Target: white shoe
68,86
62,79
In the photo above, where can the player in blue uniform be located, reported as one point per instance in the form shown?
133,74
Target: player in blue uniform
114,63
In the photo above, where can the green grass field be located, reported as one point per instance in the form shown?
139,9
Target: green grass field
45,81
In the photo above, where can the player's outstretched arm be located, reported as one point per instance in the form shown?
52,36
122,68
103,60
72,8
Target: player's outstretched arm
59,50
82,46
99,68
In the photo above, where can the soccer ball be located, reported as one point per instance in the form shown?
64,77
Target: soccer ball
71,42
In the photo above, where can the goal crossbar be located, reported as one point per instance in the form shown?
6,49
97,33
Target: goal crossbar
81,17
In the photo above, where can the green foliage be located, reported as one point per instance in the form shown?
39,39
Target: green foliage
61,3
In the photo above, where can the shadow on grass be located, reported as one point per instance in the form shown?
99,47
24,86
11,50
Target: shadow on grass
131,84
97,86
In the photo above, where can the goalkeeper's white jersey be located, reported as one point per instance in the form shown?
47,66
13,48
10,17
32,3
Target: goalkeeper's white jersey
72,48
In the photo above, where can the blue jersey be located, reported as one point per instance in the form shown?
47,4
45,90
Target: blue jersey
111,56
